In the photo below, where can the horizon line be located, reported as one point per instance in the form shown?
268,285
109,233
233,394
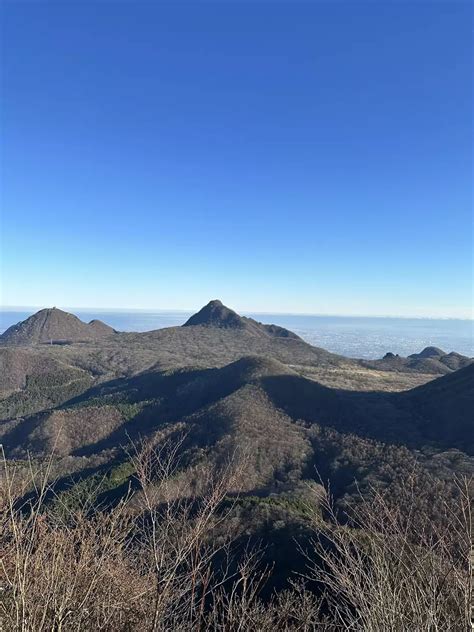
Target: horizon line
245,311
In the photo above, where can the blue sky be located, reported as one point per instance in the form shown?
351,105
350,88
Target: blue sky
283,156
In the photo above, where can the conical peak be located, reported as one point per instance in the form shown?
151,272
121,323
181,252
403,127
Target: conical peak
217,315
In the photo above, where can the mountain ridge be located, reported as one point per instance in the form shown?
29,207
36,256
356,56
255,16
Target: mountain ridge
430,360
437,412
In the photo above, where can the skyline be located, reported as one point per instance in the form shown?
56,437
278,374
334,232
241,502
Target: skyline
191,310
311,158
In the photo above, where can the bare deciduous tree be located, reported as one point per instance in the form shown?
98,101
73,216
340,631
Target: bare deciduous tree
390,568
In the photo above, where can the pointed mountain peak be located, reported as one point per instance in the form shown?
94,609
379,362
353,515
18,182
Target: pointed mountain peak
215,314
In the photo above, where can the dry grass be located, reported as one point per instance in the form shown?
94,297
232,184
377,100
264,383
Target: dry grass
354,378
150,567
166,561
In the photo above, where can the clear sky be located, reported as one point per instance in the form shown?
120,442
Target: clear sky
281,156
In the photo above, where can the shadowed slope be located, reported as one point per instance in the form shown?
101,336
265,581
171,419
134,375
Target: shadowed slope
110,413
256,391
445,408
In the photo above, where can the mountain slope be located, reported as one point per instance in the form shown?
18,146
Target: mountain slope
215,314
31,381
281,432
444,408
54,326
